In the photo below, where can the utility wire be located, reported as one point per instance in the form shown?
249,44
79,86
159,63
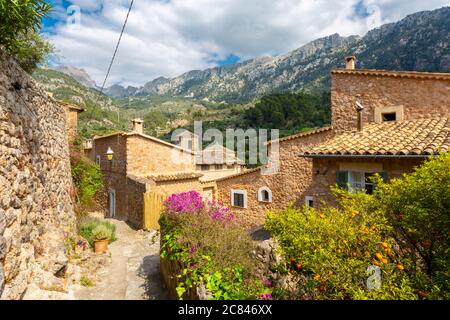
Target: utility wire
117,47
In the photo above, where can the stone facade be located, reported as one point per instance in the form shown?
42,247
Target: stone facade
72,119
287,186
418,94
404,95
36,206
325,173
142,164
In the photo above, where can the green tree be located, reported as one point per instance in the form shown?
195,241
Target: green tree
418,207
20,22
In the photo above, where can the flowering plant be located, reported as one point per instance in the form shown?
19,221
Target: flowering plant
186,202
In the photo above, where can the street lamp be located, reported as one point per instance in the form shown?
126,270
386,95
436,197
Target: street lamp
109,154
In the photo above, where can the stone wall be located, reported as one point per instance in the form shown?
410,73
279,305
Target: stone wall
135,189
36,208
287,186
326,173
420,95
146,156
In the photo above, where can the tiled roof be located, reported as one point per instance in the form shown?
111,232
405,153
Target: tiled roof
175,176
243,173
395,74
302,134
412,137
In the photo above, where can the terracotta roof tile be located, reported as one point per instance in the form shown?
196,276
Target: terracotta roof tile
302,134
395,74
175,176
412,137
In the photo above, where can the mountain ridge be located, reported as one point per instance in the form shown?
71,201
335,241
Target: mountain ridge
418,42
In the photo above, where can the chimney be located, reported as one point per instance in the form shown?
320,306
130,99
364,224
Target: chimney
350,62
360,110
138,125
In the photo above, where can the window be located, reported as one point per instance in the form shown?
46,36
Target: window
309,201
239,198
97,160
264,195
357,180
392,116
230,166
190,144
204,167
218,167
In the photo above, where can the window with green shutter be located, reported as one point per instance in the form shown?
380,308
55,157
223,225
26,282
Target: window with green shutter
342,179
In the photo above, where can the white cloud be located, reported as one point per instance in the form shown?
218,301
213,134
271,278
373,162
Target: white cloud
169,37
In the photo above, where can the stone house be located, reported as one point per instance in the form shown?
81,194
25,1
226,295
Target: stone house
382,121
214,161
134,163
386,122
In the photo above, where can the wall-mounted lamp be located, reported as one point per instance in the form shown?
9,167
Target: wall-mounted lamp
109,154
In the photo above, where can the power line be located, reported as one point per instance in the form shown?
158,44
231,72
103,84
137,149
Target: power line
117,47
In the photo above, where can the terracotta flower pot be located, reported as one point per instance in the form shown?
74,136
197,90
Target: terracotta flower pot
101,246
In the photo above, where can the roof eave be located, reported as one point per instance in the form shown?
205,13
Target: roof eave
387,156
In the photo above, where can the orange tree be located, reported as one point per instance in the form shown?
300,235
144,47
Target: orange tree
418,209
344,253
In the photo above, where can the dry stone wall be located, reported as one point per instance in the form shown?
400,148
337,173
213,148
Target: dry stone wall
36,208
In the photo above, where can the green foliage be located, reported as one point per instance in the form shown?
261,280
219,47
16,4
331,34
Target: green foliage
402,229
292,111
87,225
87,178
20,22
330,250
101,232
86,282
153,120
222,263
418,208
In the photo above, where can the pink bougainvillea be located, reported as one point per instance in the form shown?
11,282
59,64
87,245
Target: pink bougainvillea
217,211
192,203
186,202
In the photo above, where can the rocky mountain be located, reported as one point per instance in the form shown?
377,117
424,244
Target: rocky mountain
419,42
78,74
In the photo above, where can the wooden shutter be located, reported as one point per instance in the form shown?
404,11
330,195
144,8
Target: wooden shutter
342,179
385,176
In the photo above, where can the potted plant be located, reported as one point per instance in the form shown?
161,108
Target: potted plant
101,235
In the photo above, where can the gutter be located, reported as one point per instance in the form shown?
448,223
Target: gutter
386,156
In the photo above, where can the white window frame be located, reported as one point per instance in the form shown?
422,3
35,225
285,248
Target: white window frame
360,184
260,197
98,159
308,199
243,192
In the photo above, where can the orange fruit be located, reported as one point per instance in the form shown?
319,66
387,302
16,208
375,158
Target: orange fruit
317,277
400,267
379,256
299,265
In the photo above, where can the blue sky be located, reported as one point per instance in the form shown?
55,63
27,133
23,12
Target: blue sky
170,37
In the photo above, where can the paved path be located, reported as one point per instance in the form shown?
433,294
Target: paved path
133,273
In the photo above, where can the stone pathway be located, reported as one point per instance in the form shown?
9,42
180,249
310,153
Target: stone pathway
132,273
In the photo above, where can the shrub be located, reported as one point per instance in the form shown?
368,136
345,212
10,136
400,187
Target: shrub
87,178
331,250
211,246
403,229
101,232
87,225
418,208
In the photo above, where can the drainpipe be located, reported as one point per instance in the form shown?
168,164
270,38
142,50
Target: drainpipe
360,110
